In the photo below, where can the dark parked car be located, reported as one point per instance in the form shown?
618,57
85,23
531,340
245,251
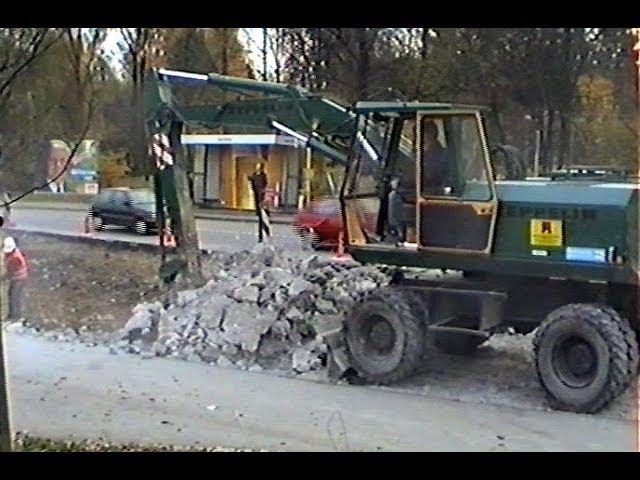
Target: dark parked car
131,208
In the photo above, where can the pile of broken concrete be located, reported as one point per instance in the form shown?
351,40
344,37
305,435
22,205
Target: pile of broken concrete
263,309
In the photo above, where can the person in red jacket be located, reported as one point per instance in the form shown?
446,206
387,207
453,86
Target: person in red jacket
17,274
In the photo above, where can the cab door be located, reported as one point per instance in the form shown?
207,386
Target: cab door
457,205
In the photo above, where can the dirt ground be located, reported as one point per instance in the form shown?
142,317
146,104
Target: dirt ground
75,284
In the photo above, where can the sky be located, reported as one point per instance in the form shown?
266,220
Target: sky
250,38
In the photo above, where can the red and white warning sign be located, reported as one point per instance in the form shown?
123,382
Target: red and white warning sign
161,149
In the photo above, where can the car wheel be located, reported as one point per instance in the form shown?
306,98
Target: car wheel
97,223
141,227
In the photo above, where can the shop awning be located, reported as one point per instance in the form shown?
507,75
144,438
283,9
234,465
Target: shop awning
238,139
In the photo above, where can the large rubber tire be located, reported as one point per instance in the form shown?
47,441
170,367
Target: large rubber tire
611,350
391,311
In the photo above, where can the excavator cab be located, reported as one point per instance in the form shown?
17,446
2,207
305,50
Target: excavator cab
423,171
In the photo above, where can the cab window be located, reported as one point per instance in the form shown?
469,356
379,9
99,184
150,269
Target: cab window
453,158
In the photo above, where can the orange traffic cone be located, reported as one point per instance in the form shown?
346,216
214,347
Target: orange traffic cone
168,239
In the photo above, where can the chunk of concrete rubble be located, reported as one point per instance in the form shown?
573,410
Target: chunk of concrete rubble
245,324
186,296
325,306
293,314
15,327
229,349
298,286
277,276
223,361
295,338
210,354
159,349
281,329
259,306
326,325
248,293
304,360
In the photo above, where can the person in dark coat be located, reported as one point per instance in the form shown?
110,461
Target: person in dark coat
258,180
435,159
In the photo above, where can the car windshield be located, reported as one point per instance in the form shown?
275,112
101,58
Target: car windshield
143,197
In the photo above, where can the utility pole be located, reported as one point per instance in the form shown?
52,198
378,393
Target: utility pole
5,417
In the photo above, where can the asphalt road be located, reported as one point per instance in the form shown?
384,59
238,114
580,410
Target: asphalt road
69,391
214,234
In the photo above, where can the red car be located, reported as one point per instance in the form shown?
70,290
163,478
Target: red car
320,224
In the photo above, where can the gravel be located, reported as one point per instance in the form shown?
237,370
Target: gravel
263,309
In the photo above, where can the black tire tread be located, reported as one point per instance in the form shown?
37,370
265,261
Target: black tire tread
407,306
622,344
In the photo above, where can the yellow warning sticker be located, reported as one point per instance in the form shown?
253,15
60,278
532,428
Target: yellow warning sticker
546,233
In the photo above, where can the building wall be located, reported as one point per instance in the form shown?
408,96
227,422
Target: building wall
228,169
227,176
225,170
199,173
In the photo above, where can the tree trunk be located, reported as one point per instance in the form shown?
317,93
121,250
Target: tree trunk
502,136
363,65
563,140
546,160
225,53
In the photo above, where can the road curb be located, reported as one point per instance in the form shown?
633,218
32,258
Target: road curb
204,216
115,244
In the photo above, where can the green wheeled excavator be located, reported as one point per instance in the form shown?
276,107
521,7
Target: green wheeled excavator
554,255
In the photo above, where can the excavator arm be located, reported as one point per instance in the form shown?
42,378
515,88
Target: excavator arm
316,122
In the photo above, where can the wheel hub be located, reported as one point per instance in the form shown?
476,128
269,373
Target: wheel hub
381,336
580,359
575,362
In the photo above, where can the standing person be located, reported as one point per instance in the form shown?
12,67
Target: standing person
17,274
191,189
258,180
394,222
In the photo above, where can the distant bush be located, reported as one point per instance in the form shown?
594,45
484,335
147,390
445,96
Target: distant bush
113,170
